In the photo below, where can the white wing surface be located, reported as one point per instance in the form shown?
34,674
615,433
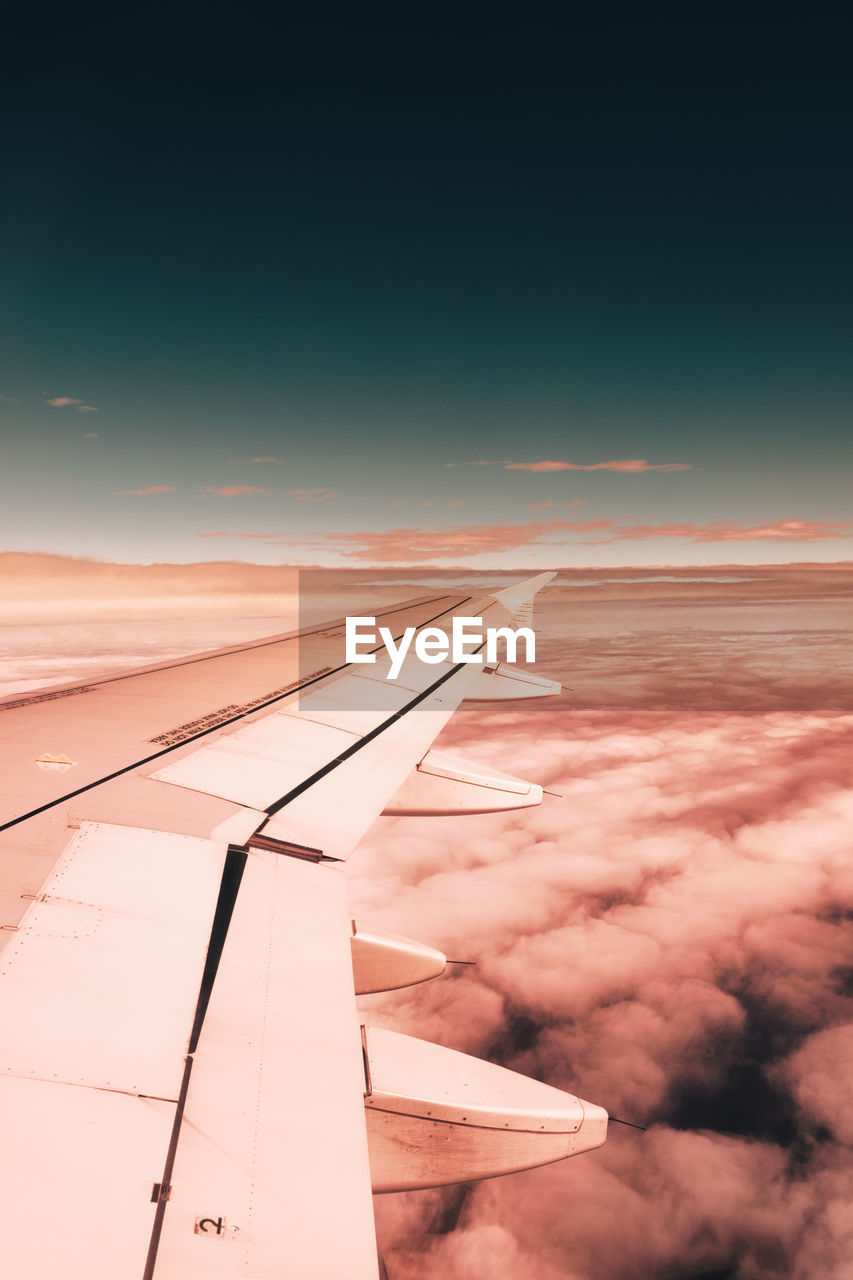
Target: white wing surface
184,1080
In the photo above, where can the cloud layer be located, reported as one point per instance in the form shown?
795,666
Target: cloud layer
62,589
671,940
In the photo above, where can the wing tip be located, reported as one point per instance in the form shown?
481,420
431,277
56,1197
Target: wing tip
524,591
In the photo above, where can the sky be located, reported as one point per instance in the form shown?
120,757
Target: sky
406,290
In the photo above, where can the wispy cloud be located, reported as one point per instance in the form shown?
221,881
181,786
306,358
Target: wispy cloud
90,435
428,544
311,495
565,506
728,531
407,545
152,488
231,533
400,545
232,491
9,399
268,459
550,464
63,402
460,502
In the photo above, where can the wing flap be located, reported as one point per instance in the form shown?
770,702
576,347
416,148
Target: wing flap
259,762
76,1179
273,1143
338,808
97,992
99,983
290,763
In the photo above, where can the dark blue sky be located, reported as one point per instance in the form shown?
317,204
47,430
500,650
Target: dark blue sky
369,251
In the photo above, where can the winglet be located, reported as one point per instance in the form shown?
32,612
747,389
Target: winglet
520,594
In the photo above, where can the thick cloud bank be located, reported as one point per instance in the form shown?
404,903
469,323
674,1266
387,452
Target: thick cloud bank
673,940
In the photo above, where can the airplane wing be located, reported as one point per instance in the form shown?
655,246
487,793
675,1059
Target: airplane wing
187,1088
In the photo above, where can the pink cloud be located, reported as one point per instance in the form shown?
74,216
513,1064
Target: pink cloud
650,943
62,402
230,533
631,464
152,488
89,435
818,1074
268,459
311,495
460,502
402,545
232,491
546,506
723,531
549,464
475,463
407,544
392,545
